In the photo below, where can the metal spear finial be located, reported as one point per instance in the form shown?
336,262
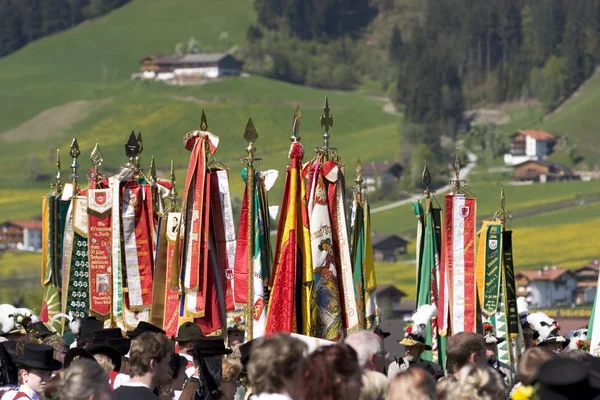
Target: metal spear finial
503,215
359,187
296,127
250,136
426,179
153,176
456,182
74,153
203,122
173,192
326,123
57,186
96,158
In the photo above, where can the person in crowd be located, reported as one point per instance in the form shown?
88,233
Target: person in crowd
205,383
75,354
149,359
236,333
473,382
84,379
178,366
83,331
369,349
506,371
546,332
274,367
331,373
36,365
374,385
414,344
465,348
579,355
528,367
414,384
187,334
58,344
230,378
523,310
9,373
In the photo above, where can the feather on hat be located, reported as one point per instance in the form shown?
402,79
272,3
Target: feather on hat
546,330
414,332
14,319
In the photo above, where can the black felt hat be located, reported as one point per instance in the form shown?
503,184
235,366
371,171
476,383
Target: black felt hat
211,346
142,327
381,332
39,330
87,327
38,356
75,354
107,351
122,344
246,352
564,379
189,332
102,335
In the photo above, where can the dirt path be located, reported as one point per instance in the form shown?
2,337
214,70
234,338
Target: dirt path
53,121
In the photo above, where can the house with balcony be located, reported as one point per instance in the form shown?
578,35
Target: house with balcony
546,287
587,279
21,235
529,145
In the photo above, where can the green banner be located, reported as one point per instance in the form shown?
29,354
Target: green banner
491,291
512,315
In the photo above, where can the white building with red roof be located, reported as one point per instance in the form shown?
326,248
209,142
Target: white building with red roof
546,287
529,145
21,235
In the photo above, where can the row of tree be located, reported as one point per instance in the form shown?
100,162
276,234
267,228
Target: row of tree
22,21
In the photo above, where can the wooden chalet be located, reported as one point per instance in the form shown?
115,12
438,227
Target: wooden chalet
542,171
546,287
205,65
387,248
527,145
377,174
21,235
587,279
389,299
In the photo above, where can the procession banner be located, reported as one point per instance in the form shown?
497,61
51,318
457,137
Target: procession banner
489,260
100,249
460,259
594,324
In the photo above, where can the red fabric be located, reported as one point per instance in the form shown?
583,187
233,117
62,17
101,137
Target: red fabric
241,254
100,247
111,379
469,254
281,318
218,224
172,303
21,395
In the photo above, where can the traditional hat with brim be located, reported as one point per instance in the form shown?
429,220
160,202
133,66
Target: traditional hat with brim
122,344
189,332
87,327
565,379
38,356
39,330
545,330
75,354
114,338
383,334
488,334
414,332
211,346
144,327
108,351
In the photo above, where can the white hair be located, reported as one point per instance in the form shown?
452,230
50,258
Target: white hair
366,344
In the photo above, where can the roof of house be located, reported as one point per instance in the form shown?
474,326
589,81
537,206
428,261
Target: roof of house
543,274
31,224
187,58
546,163
384,288
379,238
536,134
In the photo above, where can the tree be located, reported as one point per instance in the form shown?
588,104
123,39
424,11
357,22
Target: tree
193,47
396,45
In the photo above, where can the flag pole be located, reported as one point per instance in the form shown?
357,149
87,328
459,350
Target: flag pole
74,153
250,136
57,186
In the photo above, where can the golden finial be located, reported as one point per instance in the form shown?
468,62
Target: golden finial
296,127
326,123
359,179
455,183
96,158
203,122
503,215
57,186
74,153
250,136
152,170
173,192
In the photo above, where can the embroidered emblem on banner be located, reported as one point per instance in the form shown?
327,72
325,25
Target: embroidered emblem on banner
465,211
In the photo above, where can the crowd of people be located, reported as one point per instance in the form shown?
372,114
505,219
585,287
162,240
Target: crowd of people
95,363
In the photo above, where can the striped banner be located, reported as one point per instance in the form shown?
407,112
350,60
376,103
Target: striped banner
460,260
594,325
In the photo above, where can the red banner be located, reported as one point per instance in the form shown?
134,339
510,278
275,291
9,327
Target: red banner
172,303
100,248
